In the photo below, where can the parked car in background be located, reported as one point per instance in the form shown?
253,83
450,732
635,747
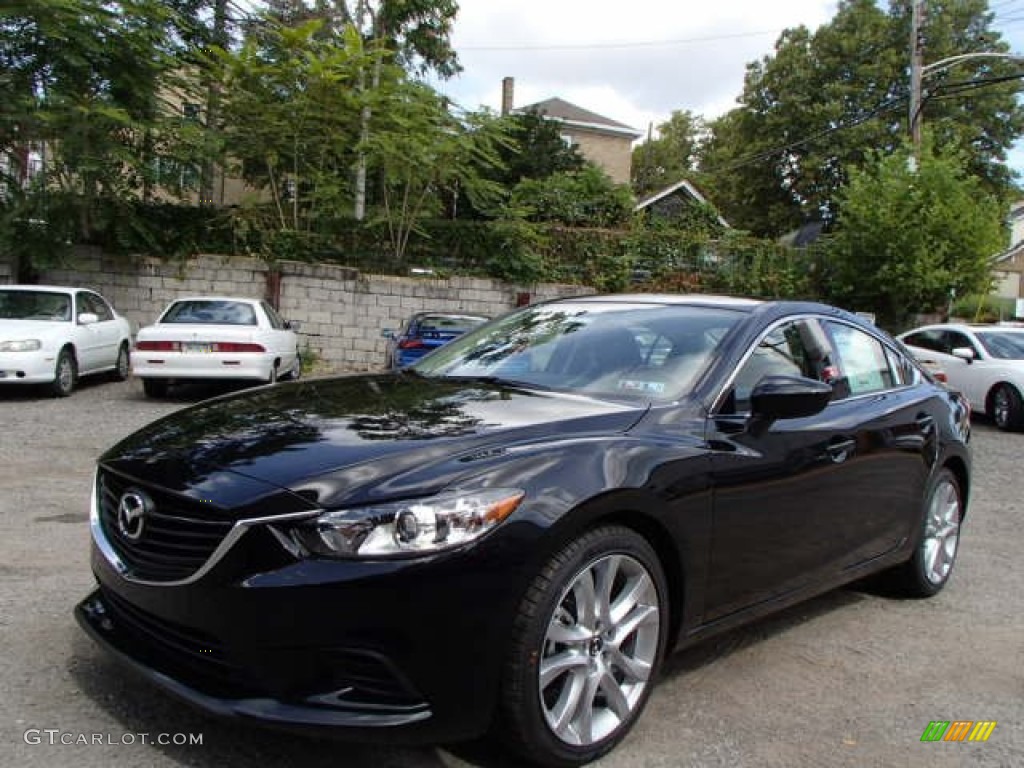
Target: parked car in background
426,331
512,533
985,362
53,335
216,338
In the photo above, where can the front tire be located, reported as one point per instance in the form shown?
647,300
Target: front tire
927,572
1007,408
65,374
123,365
587,644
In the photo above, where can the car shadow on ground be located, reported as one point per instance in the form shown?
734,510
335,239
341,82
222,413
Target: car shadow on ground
31,392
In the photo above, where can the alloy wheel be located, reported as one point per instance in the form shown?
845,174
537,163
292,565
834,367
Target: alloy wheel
941,532
599,649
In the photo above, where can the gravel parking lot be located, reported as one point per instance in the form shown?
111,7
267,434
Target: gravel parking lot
851,678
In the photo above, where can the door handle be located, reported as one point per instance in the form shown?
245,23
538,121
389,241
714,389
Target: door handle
840,449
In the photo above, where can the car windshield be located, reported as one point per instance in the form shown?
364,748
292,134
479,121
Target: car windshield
1003,345
210,312
617,350
35,305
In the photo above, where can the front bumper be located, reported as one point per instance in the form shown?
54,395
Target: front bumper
27,367
120,636
405,652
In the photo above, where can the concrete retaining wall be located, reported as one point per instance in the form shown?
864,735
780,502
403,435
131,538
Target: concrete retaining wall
342,311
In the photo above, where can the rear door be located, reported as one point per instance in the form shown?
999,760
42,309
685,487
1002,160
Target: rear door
99,341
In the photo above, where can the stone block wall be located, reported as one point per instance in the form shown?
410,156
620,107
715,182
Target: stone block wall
343,313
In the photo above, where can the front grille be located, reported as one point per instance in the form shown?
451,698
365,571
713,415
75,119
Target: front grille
178,537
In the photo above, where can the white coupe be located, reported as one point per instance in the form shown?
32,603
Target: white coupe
52,335
985,362
216,337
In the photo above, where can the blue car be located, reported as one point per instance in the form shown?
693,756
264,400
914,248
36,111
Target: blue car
426,331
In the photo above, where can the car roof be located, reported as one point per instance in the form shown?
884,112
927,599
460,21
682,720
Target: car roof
968,327
445,313
689,299
43,288
240,299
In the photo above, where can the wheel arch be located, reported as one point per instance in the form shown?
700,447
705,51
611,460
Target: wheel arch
630,510
958,467
992,391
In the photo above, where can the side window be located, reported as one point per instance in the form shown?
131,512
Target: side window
904,372
792,349
275,319
97,306
863,364
926,340
956,339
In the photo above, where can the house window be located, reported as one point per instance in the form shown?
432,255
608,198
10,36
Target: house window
568,139
190,110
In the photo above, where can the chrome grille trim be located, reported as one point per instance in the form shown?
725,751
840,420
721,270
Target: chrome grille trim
236,532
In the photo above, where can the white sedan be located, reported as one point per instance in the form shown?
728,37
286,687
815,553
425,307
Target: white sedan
205,338
52,335
985,362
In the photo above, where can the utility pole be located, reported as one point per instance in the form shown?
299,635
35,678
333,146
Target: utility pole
208,171
916,67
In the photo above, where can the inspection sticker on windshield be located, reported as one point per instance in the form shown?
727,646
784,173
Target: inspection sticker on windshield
638,385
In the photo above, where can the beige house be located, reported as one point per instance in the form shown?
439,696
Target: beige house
1008,266
604,142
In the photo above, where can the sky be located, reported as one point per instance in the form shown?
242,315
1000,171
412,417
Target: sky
636,61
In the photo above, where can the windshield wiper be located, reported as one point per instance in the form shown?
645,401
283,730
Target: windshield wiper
502,381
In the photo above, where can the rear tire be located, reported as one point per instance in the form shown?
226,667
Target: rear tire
928,570
1007,408
65,374
587,644
155,388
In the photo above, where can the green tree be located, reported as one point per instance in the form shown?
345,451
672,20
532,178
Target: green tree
671,157
291,119
584,198
80,97
905,239
423,153
813,109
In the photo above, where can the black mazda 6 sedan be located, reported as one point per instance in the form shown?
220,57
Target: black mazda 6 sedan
509,536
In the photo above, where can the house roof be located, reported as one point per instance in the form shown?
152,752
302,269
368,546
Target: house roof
687,188
1009,253
570,114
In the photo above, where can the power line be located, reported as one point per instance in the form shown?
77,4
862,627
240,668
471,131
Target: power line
613,45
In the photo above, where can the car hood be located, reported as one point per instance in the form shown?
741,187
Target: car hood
336,441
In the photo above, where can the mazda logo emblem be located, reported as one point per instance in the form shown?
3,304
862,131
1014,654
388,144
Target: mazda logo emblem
131,514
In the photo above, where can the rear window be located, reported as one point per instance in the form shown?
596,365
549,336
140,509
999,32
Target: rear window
210,312
447,323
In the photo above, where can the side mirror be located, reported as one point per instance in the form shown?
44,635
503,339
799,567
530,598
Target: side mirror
292,325
788,397
88,318
964,353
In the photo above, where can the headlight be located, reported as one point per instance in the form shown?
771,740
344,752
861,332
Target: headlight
21,345
408,527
